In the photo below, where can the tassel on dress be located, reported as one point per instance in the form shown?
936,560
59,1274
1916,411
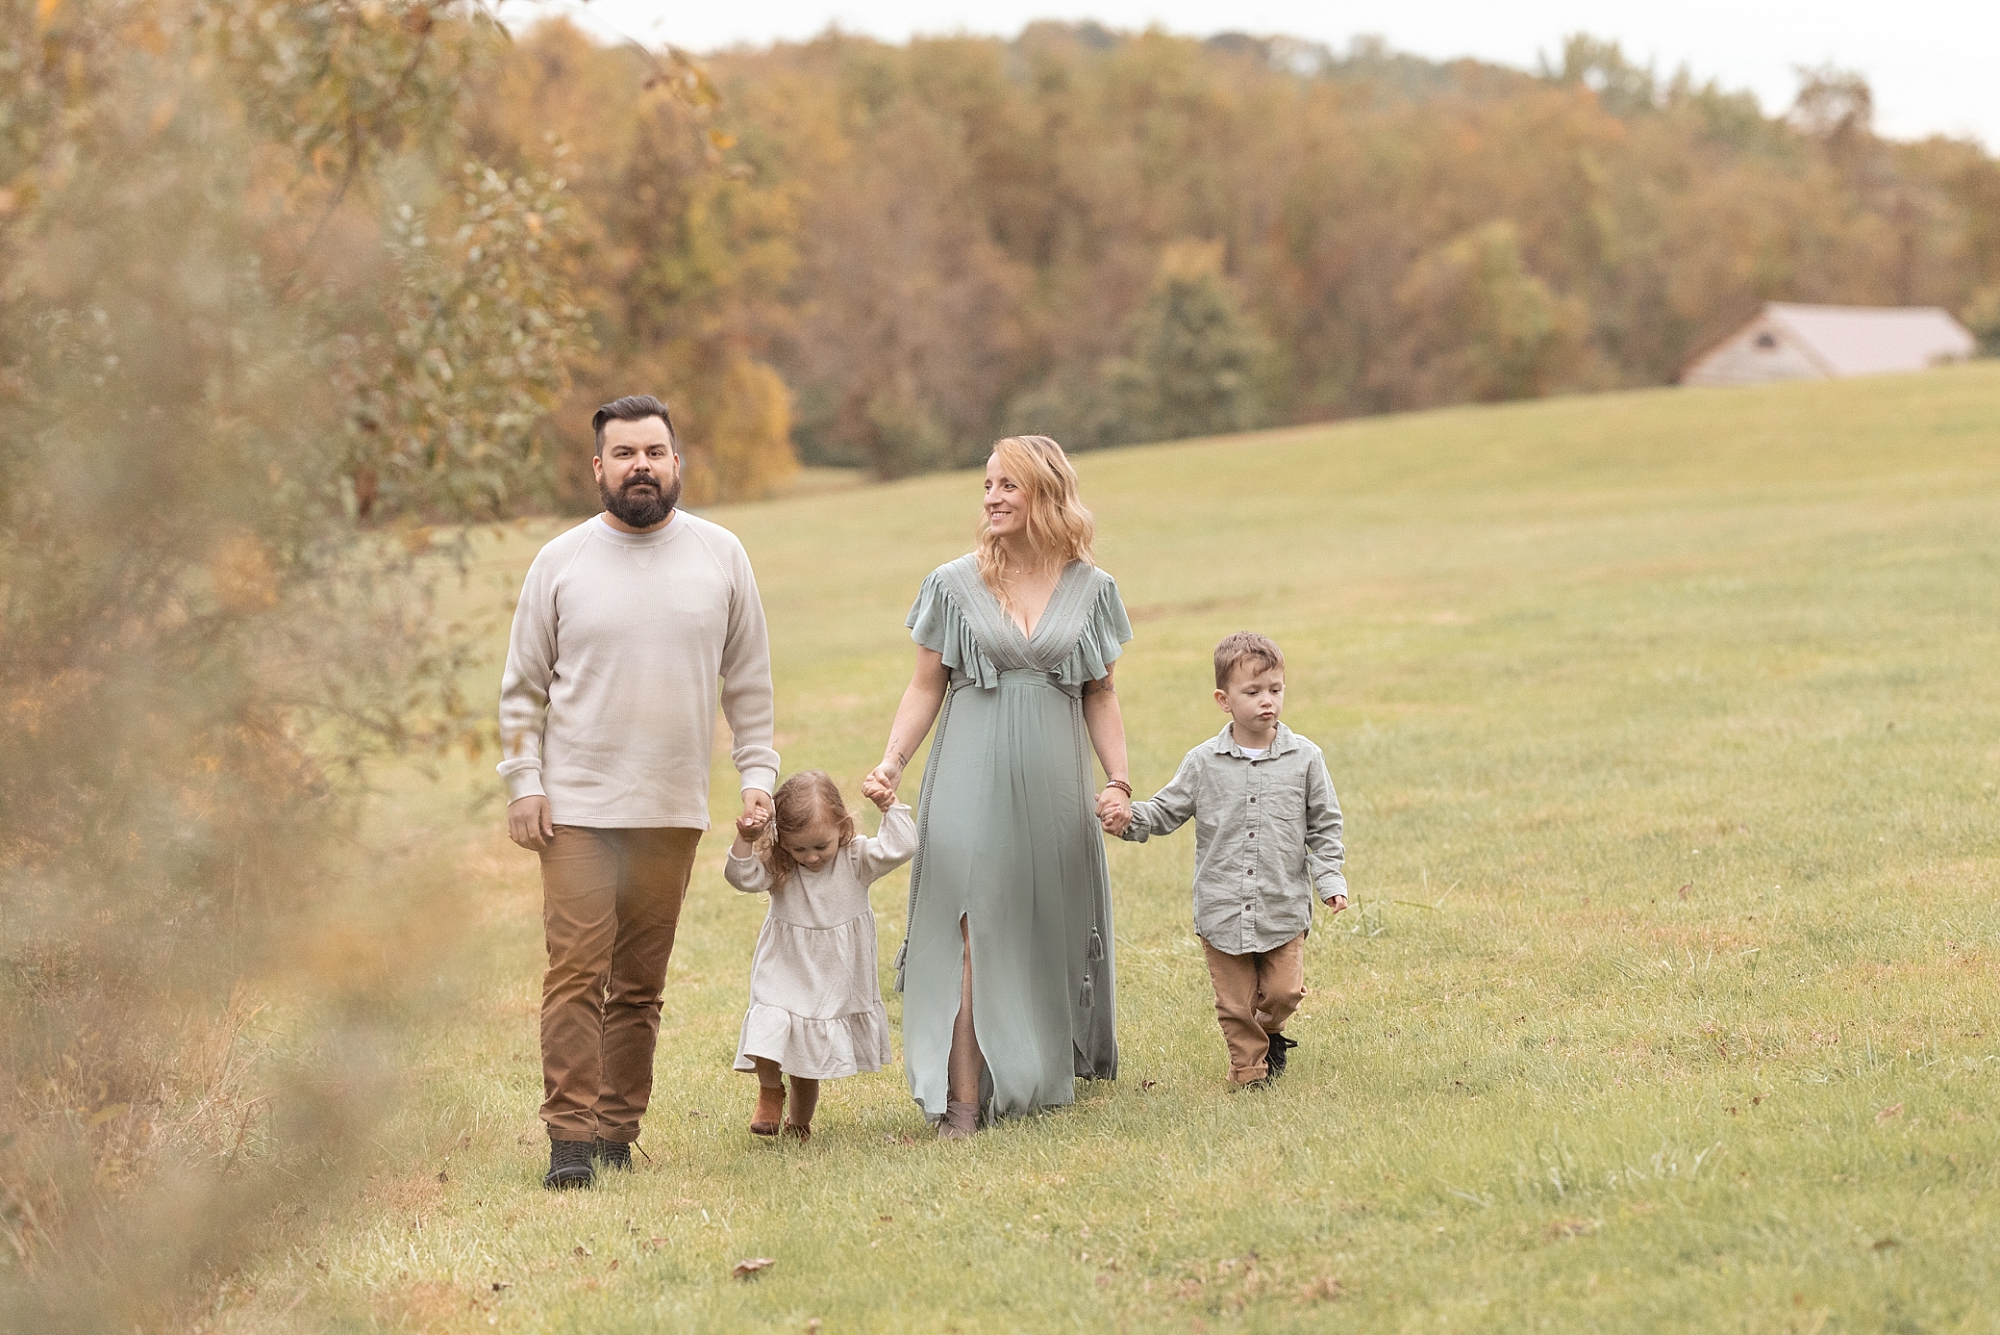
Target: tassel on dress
1086,995
1095,950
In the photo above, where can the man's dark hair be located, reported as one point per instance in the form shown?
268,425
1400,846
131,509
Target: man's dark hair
632,408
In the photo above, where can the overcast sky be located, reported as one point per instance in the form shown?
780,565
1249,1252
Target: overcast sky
1934,64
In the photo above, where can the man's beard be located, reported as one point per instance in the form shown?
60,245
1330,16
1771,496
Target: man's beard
640,502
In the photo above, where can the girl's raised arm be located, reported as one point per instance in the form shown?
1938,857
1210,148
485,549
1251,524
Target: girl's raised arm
914,717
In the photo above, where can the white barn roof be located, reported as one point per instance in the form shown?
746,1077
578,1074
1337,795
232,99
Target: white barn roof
1793,342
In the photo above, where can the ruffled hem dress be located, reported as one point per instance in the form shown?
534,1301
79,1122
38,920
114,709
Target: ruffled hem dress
815,997
1008,841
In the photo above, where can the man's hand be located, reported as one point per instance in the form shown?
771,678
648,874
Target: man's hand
528,822
1336,904
757,804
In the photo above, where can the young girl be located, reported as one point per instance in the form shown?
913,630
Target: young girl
815,1002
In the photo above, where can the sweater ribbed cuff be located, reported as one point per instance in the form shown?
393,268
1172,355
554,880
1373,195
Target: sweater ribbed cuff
763,779
525,781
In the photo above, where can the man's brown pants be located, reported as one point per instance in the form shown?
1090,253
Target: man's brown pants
611,900
1254,995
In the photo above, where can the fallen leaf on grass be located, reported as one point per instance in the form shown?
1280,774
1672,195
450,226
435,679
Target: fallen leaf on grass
500,1284
745,1269
1889,1113
1148,1084
582,1250
1884,1244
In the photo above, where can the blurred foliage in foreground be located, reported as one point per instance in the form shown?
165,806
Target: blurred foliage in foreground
261,319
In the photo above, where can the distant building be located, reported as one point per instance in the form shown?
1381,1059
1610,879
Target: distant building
1790,342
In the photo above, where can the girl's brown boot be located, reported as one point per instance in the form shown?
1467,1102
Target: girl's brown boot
770,1107
805,1098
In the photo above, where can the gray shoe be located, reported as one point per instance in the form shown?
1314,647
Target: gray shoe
959,1122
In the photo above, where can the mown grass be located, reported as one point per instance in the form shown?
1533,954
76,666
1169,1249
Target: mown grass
1665,725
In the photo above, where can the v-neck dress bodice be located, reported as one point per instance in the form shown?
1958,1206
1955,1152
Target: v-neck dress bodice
1008,840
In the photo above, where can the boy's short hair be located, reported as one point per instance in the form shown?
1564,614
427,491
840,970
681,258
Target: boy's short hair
1245,648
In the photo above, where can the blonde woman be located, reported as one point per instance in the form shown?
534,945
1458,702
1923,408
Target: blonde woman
1006,966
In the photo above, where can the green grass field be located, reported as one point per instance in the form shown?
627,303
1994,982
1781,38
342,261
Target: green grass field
1667,726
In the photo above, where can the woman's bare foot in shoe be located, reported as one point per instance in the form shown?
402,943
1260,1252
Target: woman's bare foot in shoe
770,1107
959,1122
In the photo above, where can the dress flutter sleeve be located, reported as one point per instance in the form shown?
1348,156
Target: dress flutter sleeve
1106,631
938,623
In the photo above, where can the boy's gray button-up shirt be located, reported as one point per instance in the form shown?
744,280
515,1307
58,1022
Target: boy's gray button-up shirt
1266,836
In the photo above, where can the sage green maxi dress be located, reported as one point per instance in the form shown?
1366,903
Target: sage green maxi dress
1008,839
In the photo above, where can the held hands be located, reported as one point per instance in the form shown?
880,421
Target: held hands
529,823
756,809
1114,810
756,815
879,786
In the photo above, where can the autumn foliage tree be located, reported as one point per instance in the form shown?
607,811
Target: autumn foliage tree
885,255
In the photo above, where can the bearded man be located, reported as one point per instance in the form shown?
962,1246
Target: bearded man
630,628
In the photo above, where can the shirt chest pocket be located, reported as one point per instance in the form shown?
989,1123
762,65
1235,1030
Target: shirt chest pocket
1278,799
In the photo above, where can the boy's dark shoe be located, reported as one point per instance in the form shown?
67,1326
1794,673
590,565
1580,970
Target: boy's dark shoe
1275,1058
615,1155
569,1165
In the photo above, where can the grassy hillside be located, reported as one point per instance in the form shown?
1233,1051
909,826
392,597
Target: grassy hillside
1665,724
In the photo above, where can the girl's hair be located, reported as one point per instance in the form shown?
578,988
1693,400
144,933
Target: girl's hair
1059,529
799,801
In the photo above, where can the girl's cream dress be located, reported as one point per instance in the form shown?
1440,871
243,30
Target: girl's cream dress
815,997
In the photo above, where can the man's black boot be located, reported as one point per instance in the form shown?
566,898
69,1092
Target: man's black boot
569,1165
1275,1058
613,1155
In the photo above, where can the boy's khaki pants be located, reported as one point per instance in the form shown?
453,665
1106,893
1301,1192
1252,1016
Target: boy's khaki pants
1254,995
611,900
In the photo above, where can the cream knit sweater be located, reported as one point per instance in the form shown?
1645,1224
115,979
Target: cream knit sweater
620,640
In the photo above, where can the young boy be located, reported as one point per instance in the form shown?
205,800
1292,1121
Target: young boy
1266,837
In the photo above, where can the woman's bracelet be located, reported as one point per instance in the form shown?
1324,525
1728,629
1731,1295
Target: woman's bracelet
1119,783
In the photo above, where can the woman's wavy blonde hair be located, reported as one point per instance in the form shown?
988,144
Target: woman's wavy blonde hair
1059,528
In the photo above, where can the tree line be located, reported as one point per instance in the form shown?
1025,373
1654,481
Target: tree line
885,255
